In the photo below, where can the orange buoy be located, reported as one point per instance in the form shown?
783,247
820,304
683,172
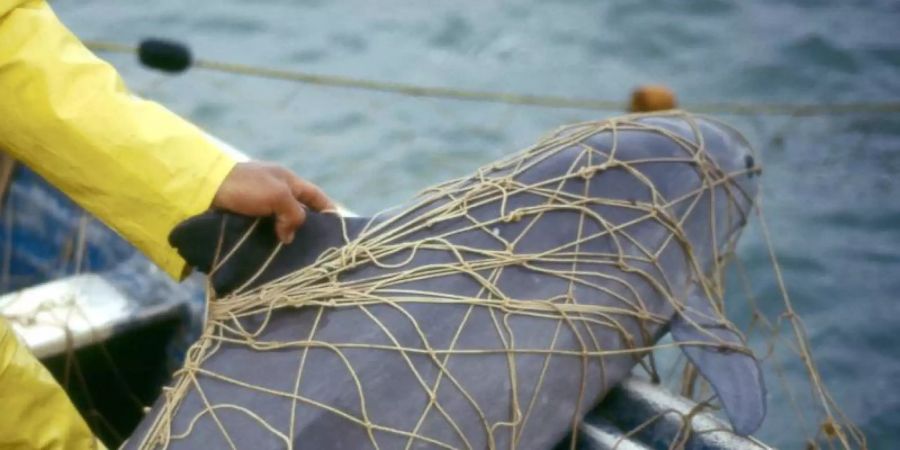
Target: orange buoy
652,97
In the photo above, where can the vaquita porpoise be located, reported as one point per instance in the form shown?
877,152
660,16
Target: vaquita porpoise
493,311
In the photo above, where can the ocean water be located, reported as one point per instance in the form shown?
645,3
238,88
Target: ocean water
830,186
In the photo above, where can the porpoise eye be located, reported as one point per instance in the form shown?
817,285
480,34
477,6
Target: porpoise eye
749,162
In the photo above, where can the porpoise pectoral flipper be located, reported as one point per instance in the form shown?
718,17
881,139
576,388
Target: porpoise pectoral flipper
734,375
207,241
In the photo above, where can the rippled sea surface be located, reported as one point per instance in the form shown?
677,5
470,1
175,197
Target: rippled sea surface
831,184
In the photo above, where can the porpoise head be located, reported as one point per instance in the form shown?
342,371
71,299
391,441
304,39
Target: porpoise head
711,197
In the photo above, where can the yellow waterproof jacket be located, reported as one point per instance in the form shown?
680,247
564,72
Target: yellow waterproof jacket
36,412
136,166
66,114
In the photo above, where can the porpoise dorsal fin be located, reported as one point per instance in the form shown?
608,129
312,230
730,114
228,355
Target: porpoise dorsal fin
198,239
735,376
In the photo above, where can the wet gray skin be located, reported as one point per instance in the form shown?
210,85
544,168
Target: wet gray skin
394,396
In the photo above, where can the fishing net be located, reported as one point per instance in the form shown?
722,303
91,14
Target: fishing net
371,277
496,310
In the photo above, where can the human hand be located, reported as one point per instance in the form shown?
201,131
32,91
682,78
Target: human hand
265,189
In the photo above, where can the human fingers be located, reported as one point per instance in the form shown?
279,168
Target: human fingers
289,215
310,194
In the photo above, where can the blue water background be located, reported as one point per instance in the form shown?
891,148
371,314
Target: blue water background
831,184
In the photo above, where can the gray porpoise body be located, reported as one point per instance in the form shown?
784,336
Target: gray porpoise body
394,396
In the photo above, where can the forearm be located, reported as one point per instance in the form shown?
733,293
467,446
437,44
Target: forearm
136,166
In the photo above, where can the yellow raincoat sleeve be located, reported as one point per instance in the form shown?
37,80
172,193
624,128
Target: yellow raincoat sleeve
66,114
37,414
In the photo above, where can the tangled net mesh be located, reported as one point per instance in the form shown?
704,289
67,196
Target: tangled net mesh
616,298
